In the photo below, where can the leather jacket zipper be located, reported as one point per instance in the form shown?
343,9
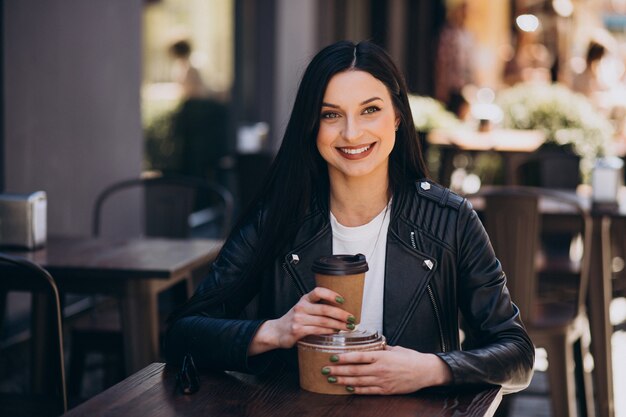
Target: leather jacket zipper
431,295
293,279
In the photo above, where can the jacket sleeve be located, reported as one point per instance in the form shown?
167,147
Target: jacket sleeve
501,351
209,327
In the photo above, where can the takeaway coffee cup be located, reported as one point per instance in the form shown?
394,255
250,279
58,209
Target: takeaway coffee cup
314,353
344,274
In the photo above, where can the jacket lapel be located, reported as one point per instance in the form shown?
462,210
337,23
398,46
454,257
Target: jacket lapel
314,240
407,273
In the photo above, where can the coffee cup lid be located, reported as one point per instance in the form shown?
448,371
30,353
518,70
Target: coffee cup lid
341,264
344,338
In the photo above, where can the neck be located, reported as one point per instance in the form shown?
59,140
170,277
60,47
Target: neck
356,201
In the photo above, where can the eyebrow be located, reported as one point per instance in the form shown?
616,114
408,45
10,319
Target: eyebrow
369,100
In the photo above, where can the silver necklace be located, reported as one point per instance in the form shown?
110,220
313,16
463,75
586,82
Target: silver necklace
380,229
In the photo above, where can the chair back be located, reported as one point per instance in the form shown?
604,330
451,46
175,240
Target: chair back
45,393
512,219
173,206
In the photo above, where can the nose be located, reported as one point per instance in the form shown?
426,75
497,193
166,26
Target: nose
351,129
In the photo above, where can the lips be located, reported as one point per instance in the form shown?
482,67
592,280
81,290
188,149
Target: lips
356,152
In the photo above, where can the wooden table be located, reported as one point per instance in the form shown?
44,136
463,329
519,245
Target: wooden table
600,285
133,270
151,392
513,144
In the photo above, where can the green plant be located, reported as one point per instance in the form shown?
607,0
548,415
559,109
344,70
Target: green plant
429,114
566,117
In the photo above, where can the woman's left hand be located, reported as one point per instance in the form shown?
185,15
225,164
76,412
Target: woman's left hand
395,370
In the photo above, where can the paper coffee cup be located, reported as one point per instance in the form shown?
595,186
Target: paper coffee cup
314,353
344,274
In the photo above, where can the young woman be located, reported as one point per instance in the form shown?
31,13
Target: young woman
349,178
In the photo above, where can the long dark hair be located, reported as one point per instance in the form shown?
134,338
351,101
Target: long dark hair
298,175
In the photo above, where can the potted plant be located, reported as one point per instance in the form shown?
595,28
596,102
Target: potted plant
569,120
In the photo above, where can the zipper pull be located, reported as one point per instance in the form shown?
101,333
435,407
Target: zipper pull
294,259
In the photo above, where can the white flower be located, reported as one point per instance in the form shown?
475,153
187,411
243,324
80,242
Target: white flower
429,114
567,118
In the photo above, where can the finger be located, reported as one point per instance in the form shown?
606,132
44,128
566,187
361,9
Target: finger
305,311
359,357
351,370
357,381
371,390
324,294
306,320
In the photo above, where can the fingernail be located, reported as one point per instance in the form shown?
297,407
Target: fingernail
332,379
325,370
339,299
349,388
351,319
350,326
334,358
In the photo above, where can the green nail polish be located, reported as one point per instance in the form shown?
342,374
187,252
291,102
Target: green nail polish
351,319
334,358
349,388
339,299
350,326
325,370
332,379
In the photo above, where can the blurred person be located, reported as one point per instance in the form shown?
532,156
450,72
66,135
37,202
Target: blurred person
589,81
454,64
185,73
201,124
349,175
531,61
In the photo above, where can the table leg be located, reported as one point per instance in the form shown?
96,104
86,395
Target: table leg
140,325
599,300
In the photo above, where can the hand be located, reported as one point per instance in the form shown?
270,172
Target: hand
395,370
307,317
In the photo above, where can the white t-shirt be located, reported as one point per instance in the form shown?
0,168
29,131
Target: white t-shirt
371,240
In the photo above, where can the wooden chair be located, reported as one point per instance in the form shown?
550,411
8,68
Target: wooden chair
173,207
45,393
513,222
618,258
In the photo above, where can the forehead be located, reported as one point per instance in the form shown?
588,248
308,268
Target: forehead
354,85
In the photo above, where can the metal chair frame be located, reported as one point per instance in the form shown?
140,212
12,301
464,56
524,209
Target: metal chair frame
19,274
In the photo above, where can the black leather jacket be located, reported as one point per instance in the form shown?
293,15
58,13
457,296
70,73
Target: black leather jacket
422,299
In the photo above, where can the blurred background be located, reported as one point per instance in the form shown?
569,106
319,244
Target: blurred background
204,87
95,92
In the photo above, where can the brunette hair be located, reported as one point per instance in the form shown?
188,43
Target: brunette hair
299,175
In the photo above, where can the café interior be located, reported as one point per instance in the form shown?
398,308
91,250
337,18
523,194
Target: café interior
133,133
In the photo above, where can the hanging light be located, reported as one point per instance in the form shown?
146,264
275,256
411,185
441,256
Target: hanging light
563,8
527,22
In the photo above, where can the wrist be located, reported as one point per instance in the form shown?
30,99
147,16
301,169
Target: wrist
441,372
264,339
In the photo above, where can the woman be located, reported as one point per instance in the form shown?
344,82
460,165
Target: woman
348,167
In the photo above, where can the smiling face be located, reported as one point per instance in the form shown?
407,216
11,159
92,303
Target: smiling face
357,126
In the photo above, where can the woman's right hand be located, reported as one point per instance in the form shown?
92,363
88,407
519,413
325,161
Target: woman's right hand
308,316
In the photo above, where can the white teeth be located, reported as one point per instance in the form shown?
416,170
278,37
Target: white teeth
355,151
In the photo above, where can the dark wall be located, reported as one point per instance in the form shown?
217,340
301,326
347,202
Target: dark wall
2,26
424,21
71,85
